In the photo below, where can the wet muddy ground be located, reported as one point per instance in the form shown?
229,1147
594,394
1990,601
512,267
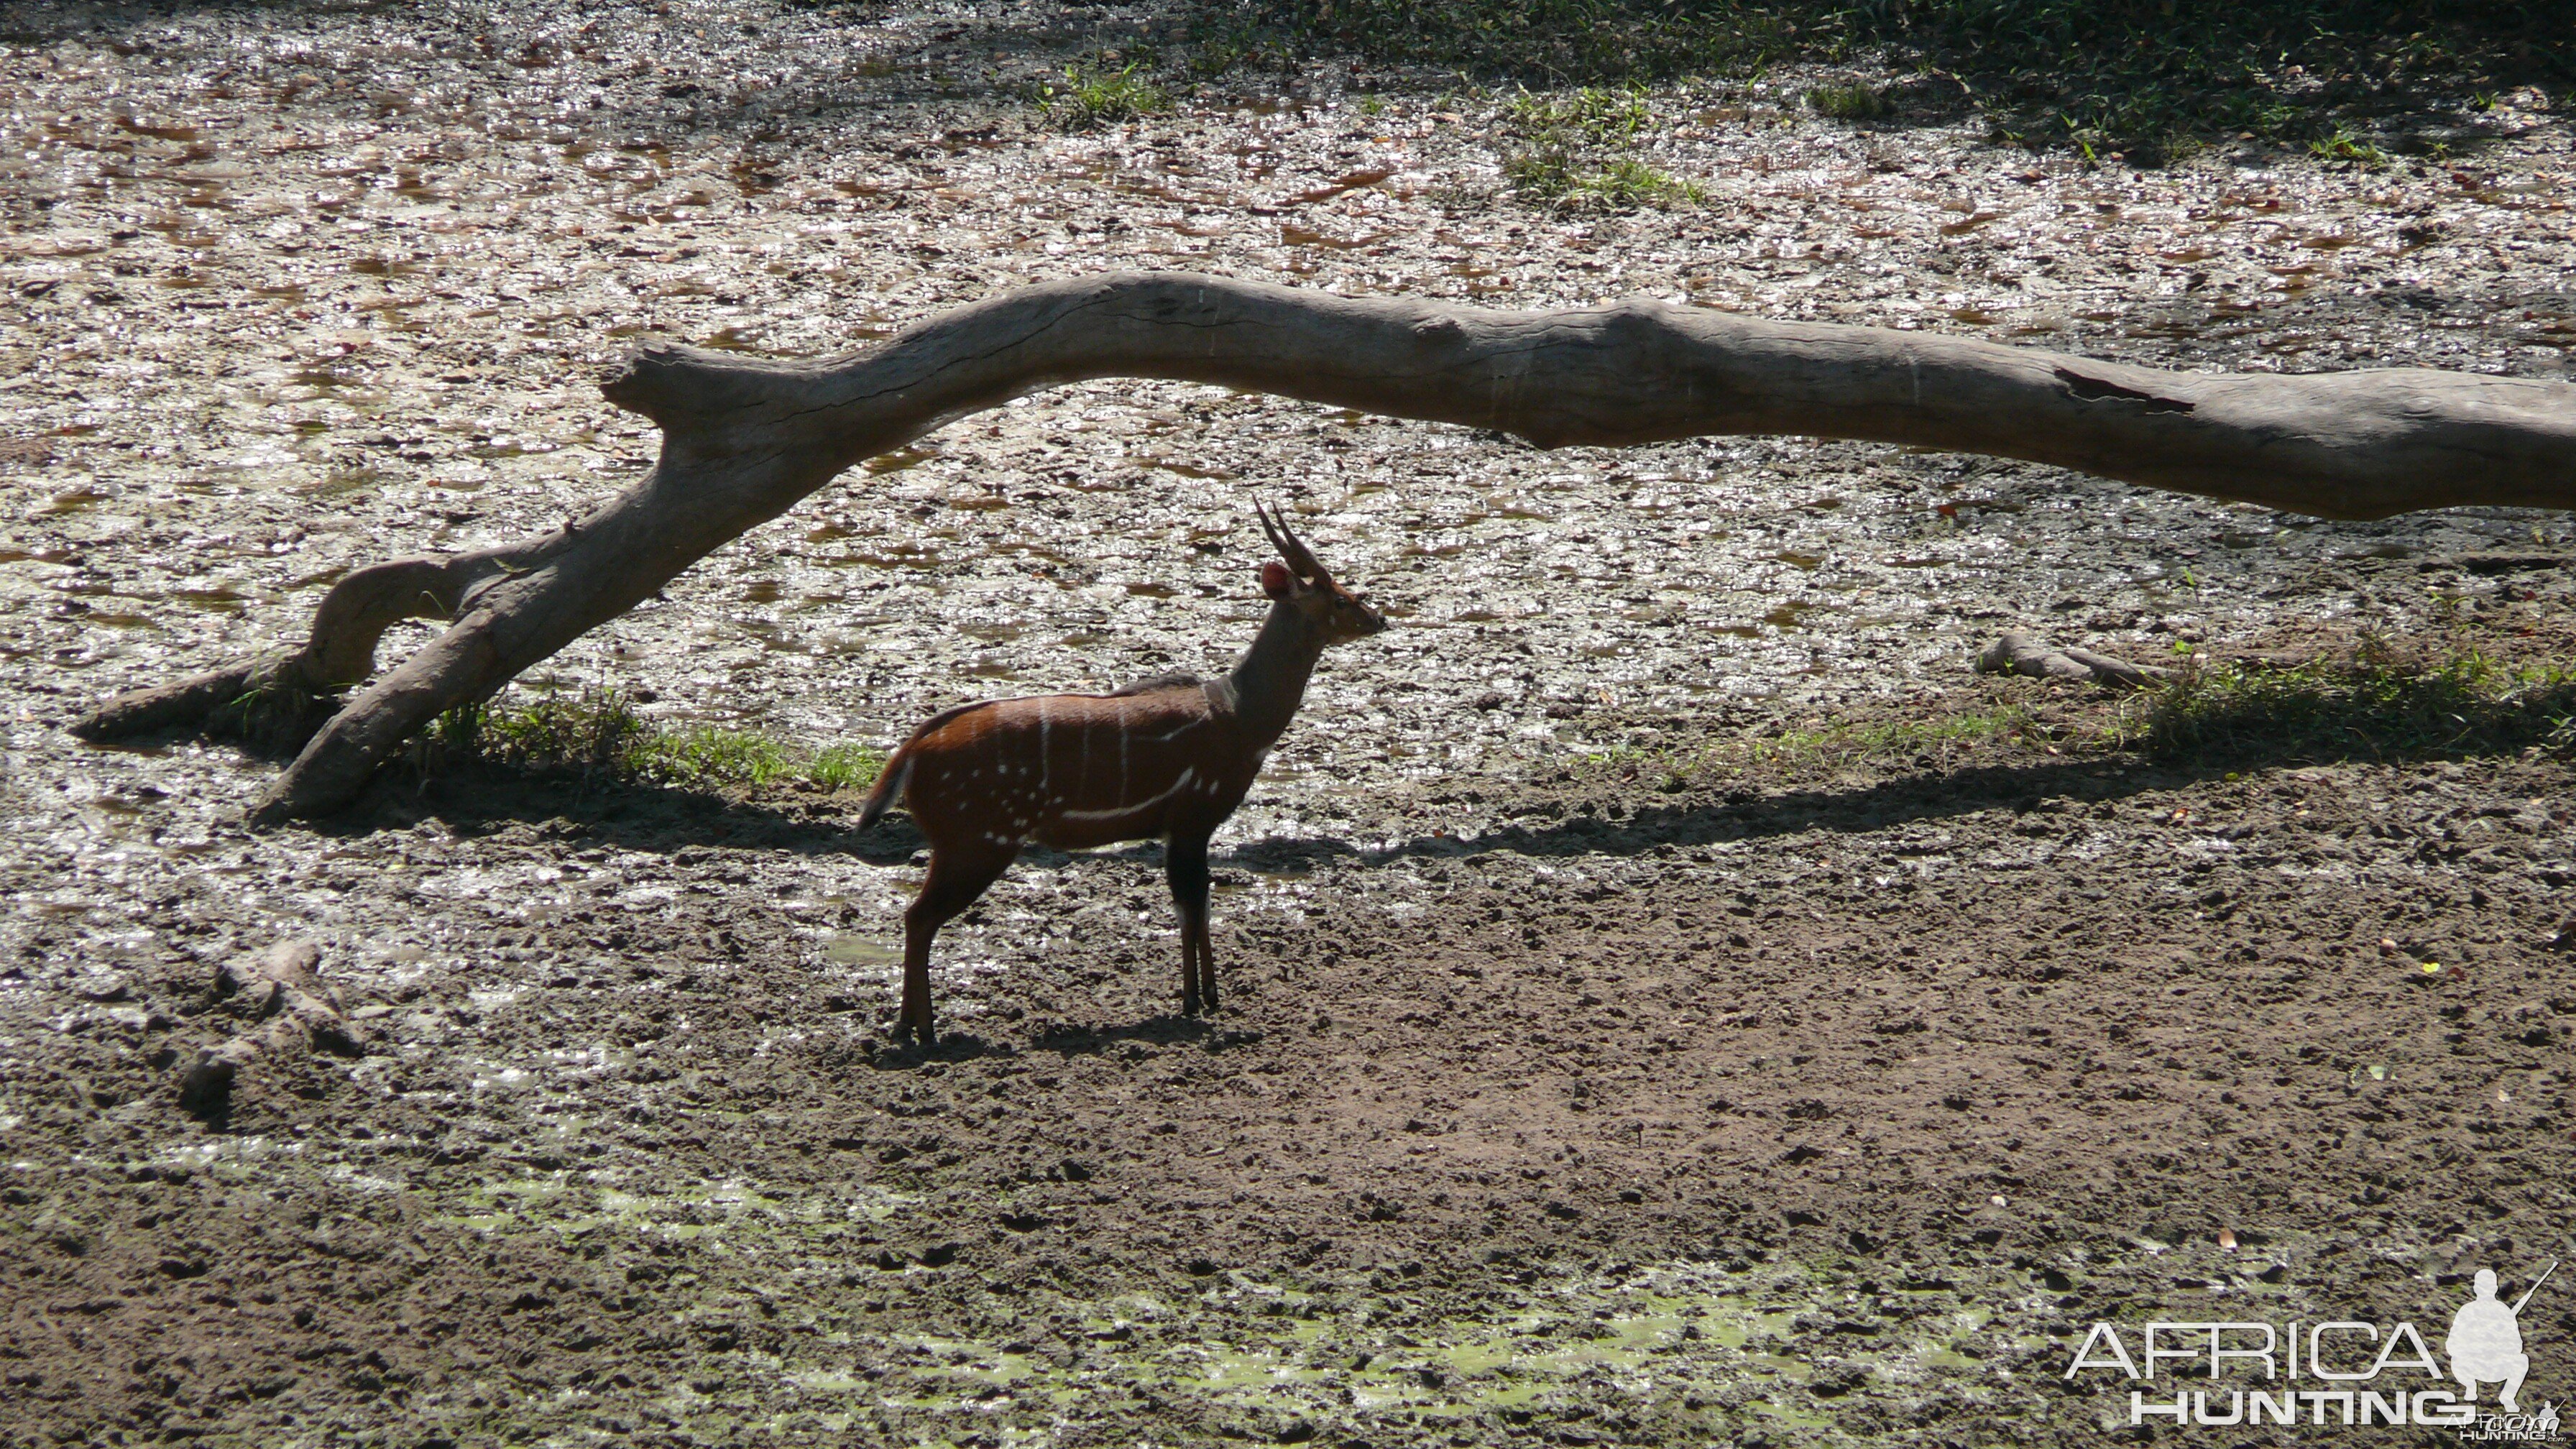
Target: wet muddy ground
1586,1077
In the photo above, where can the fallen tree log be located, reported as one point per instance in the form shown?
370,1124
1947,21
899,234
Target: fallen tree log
744,439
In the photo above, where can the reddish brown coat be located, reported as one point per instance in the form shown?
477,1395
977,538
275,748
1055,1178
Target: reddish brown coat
1074,771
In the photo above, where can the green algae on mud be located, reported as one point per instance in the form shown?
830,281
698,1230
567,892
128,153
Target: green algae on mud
929,1351
1338,1361
925,1347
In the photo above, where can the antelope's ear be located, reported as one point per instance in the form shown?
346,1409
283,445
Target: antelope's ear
1276,581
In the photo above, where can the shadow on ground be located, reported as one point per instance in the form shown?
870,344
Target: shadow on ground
2245,738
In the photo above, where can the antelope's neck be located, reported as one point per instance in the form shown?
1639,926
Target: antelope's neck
1271,681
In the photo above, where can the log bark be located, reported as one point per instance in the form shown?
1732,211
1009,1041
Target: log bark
744,439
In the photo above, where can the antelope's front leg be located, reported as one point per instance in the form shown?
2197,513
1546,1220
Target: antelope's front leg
1185,866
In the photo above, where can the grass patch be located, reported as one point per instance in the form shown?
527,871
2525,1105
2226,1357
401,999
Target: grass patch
2380,706
1096,96
1975,735
1591,116
599,732
1571,152
846,767
1842,746
1850,103
2342,145
2142,78
2374,707
1554,179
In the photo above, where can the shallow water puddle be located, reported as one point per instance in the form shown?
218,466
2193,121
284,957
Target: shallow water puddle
857,950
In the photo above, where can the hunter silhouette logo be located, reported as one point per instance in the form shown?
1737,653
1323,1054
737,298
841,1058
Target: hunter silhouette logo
2335,1373
2486,1341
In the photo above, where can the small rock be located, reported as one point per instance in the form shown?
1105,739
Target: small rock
97,985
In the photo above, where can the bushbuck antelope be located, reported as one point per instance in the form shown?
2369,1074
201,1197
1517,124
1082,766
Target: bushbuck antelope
1169,756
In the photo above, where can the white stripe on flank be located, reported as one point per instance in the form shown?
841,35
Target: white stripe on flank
1046,727
1177,785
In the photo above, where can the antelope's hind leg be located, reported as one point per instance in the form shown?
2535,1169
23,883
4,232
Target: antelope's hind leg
1185,866
955,880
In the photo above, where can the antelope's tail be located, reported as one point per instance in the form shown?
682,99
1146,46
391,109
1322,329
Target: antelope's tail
890,783
898,770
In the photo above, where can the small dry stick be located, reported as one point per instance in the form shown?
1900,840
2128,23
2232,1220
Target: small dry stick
2019,653
298,1007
